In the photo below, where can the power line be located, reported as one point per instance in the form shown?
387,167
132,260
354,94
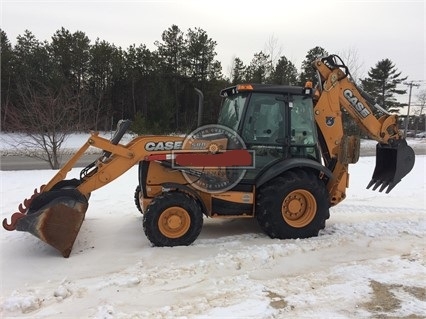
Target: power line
410,84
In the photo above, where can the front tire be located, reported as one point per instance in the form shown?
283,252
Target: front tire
69,184
136,198
173,219
293,205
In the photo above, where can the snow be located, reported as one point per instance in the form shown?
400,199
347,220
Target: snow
369,261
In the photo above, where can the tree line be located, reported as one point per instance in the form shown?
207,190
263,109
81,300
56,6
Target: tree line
71,84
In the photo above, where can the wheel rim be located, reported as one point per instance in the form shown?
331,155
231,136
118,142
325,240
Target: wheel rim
174,222
299,208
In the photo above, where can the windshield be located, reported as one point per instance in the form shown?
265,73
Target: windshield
232,111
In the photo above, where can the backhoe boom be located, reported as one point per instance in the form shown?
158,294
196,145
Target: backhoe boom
337,92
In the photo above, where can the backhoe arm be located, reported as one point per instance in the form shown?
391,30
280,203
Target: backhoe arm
337,91
336,84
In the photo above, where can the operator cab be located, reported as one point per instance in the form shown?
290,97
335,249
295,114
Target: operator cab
275,121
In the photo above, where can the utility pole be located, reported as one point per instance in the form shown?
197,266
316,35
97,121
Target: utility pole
407,119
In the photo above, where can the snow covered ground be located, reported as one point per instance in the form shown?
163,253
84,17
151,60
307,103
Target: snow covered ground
369,262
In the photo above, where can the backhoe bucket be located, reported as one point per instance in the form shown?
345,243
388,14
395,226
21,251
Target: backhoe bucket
55,217
393,162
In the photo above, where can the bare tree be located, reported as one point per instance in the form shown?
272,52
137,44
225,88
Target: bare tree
45,117
273,50
419,110
351,59
230,69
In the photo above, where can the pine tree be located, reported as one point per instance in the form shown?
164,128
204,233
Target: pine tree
6,76
200,54
284,72
259,68
238,71
30,61
308,72
381,84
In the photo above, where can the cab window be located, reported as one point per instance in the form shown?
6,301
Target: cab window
232,111
263,123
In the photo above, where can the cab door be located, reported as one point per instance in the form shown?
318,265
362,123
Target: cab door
265,130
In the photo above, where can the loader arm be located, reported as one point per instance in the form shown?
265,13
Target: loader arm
337,91
55,213
123,157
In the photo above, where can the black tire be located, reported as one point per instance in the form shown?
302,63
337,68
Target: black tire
136,198
66,184
54,193
181,216
293,205
69,184
63,190
53,197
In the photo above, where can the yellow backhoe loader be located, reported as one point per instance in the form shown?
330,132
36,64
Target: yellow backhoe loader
277,153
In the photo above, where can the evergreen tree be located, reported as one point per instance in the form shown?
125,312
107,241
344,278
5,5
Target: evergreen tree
107,83
100,69
284,72
308,72
172,50
381,84
259,68
200,54
101,75
6,76
71,56
238,71
172,53
31,62
139,66
215,72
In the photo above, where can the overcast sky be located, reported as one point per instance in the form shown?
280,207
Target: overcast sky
375,30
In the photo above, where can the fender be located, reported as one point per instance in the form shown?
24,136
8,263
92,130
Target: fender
280,166
189,191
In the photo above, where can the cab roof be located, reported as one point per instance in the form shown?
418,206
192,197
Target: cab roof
263,88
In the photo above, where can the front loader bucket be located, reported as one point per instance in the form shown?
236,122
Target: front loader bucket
55,217
393,162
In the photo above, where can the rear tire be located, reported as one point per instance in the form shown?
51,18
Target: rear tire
173,219
293,205
136,198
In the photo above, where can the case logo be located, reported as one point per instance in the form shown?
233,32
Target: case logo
358,106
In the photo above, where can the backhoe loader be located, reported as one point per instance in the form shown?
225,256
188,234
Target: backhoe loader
277,153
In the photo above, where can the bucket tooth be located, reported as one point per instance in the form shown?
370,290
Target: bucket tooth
377,184
384,185
372,182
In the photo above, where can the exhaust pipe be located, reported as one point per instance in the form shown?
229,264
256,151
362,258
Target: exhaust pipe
200,106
